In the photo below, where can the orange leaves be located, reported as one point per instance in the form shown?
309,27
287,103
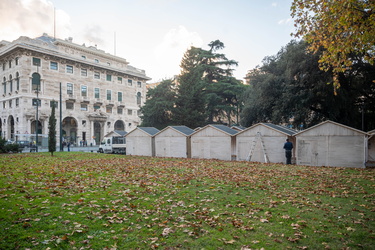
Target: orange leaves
171,203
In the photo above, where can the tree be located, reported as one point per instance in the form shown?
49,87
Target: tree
52,130
343,28
222,88
207,90
159,105
290,88
190,100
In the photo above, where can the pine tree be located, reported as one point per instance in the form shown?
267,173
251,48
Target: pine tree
190,101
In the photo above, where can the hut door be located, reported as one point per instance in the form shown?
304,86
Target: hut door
308,153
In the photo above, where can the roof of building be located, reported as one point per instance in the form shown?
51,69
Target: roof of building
150,130
224,128
49,45
121,132
238,127
183,129
282,129
334,123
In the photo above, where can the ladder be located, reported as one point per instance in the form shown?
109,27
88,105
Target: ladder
258,137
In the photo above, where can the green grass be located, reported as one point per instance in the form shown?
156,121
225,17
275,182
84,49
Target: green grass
97,201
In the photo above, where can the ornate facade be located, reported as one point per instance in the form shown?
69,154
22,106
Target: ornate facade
99,92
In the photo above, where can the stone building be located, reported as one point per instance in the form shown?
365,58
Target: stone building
100,92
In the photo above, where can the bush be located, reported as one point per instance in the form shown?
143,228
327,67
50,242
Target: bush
8,147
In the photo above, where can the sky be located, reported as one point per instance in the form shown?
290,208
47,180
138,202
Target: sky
153,35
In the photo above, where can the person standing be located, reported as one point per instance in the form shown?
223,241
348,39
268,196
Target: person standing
68,146
288,146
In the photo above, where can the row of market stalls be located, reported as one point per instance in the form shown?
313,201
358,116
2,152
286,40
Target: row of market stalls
326,144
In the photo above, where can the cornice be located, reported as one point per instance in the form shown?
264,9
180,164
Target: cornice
25,43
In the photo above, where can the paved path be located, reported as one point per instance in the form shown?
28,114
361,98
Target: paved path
93,149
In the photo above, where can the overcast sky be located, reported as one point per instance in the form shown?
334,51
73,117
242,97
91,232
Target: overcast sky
154,34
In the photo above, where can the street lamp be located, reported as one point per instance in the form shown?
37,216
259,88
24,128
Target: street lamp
36,82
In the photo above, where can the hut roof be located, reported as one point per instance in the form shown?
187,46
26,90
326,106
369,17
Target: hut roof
224,128
148,130
331,122
282,129
183,129
186,131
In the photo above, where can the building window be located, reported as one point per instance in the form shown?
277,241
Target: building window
53,65
119,111
83,72
130,82
36,61
5,85
83,57
83,107
119,96
130,112
17,81
97,93
109,77
17,102
69,88
10,103
96,60
96,107
139,84
3,105
109,95
17,61
3,66
10,63
108,109
35,82
10,83
96,75
84,91
139,98
119,79
69,69
70,105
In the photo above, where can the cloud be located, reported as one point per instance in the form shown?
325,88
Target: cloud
31,18
93,33
285,21
175,43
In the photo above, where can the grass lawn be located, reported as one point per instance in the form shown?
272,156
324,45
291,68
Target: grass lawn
77,200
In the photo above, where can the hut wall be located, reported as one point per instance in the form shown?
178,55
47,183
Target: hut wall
331,150
210,143
170,143
138,143
273,142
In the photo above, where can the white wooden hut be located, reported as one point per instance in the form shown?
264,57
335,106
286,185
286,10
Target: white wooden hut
264,142
173,141
214,142
140,141
371,149
331,144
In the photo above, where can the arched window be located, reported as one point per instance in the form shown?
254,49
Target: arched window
35,82
139,98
